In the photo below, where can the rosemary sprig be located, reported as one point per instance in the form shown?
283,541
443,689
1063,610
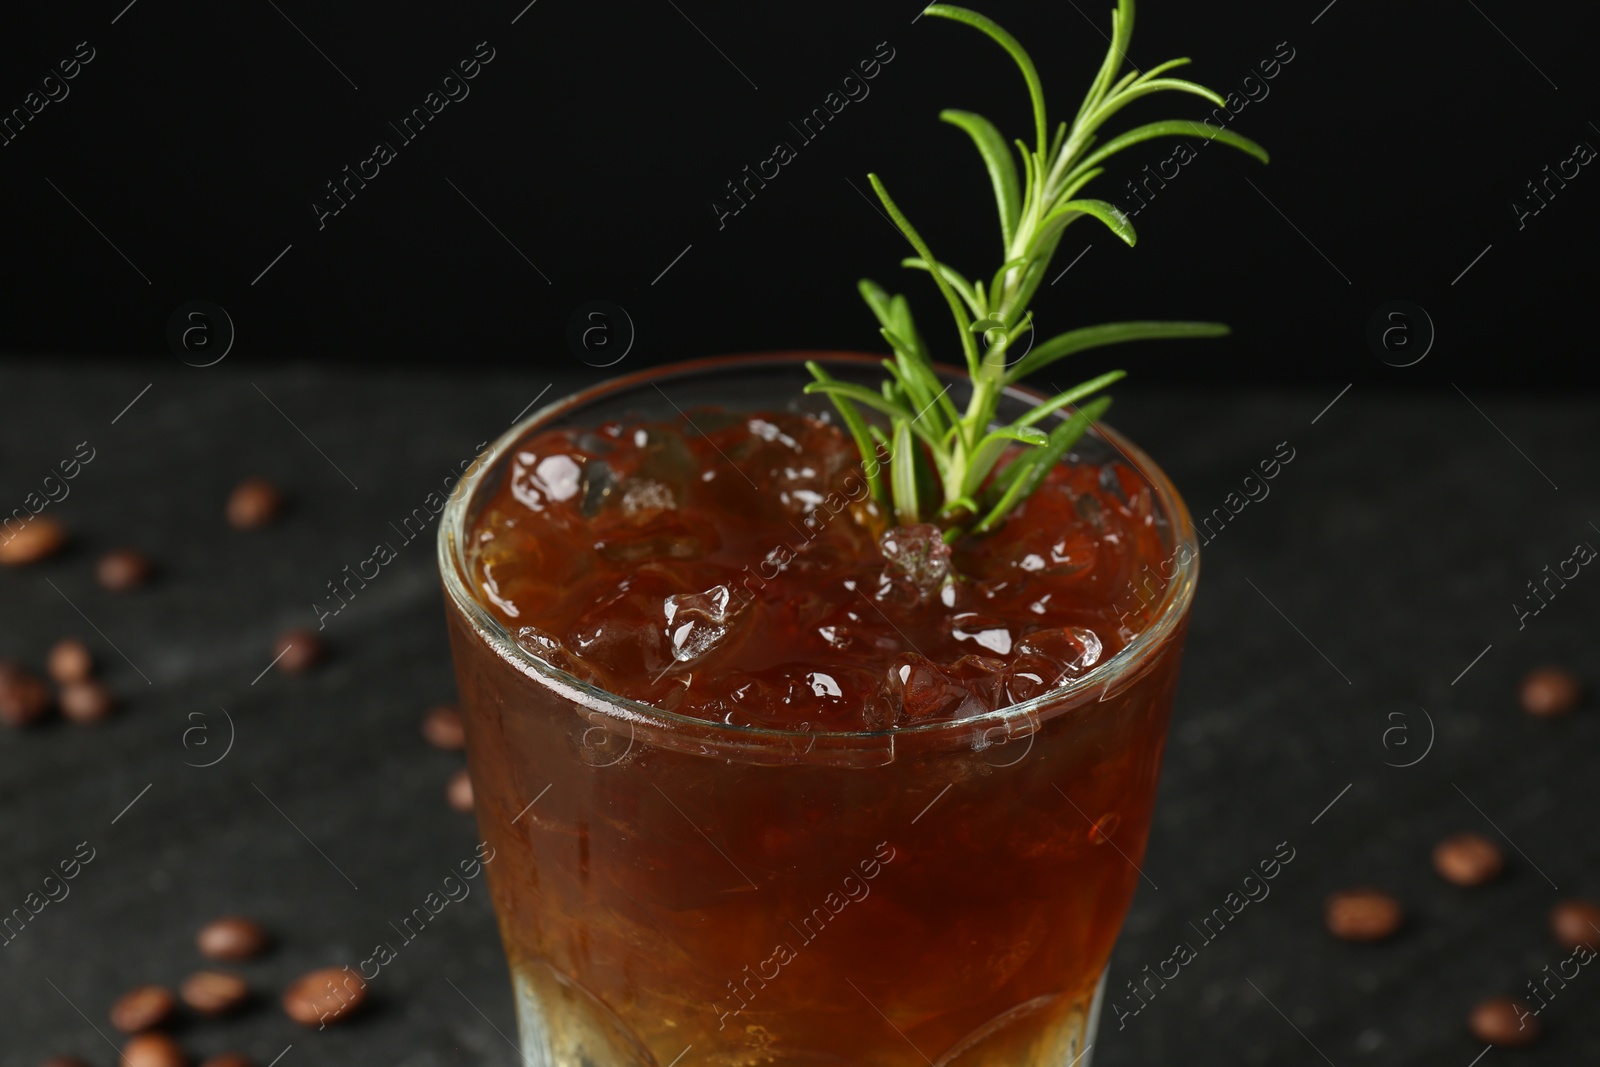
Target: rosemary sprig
932,444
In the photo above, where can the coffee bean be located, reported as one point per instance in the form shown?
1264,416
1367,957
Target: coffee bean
254,502
1504,1021
1467,859
69,661
142,1008
38,538
85,702
232,938
443,729
459,791
1576,922
1363,914
229,1059
63,1061
214,992
1550,691
298,651
324,996
122,569
153,1050
24,698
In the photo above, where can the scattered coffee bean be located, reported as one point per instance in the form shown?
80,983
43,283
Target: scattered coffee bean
1576,922
85,702
298,651
38,538
24,698
1504,1021
153,1050
1467,859
232,938
1549,691
443,729
63,1061
122,569
254,502
324,996
229,1059
214,992
1363,914
459,791
69,661
142,1008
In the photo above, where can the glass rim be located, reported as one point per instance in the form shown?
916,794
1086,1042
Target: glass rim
1117,671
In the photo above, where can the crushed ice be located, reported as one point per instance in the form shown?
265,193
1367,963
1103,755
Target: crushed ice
918,562
697,622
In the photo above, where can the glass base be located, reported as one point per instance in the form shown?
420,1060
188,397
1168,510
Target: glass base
563,1025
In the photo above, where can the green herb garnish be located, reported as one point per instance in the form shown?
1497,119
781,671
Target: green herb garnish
962,491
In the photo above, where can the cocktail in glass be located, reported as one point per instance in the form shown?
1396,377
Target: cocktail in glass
755,890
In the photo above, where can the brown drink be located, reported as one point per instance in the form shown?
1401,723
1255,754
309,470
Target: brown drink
772,783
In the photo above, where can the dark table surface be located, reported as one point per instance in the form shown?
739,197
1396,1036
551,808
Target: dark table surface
1373,589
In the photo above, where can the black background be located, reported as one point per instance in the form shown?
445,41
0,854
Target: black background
200,135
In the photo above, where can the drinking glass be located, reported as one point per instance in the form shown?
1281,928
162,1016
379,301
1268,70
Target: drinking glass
672,891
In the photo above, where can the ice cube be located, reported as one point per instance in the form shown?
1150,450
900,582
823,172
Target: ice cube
977,673
542,479
920,692
1072,648
620,635
656,535
918,563
823,684
789,696
1056,552
651,477
697,622
779,461
665,454
1111,483
545,646
620,643
770,432
837,635
983,631
645,497
981,676
559,476
793,491
854,626
1046,659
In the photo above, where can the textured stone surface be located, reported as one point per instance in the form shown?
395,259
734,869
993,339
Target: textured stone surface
1396,541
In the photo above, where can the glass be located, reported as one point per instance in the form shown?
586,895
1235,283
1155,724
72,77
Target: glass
675,891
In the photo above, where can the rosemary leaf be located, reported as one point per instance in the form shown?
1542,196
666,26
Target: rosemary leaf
1036,197
1111,333
1002,169
903,475
1037,464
